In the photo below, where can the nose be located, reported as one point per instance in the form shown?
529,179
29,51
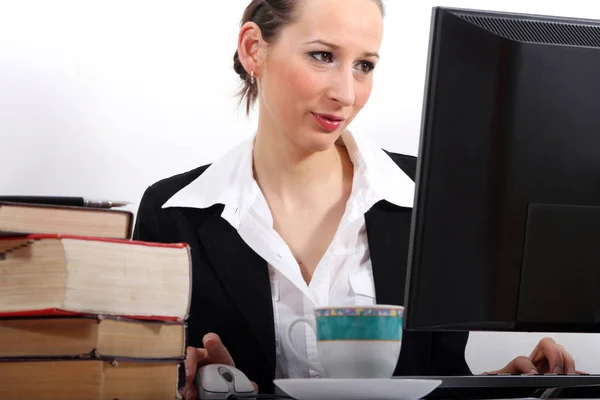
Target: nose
342,87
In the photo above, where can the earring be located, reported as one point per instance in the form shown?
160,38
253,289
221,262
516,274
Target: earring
252,77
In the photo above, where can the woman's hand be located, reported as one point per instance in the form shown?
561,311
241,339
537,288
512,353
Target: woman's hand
214,352
547,357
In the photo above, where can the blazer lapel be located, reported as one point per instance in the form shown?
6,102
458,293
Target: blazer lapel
245,276
388,231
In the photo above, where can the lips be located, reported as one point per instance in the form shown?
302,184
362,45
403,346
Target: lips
328,122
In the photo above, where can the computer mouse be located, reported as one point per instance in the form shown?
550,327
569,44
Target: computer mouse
218,381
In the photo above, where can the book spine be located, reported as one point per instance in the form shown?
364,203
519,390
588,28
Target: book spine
57,312
89,357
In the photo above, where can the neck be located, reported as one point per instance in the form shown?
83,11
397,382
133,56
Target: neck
288,171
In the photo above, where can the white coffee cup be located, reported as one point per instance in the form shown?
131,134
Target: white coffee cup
354,341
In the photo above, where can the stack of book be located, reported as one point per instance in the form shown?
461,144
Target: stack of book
88,317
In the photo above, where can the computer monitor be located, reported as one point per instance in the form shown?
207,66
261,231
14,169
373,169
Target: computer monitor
506,223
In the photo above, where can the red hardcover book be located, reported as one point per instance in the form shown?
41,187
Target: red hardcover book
65,275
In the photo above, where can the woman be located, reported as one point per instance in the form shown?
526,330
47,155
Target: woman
305,213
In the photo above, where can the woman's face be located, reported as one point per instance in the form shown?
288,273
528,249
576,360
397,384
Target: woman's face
318,74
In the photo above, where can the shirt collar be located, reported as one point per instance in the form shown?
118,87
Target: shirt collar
382,178
230,181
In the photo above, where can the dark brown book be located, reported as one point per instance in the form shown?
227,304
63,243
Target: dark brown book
88,336
23,218
88,379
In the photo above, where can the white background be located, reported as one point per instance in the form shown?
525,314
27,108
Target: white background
103,98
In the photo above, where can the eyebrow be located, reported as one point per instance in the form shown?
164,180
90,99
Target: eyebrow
334,46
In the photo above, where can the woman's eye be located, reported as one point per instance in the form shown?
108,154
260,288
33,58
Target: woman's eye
365,67
322,56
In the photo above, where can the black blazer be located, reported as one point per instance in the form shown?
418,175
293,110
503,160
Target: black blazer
231,292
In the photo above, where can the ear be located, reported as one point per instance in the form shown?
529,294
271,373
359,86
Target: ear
250,44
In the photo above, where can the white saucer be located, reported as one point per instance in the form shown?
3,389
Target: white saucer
357,389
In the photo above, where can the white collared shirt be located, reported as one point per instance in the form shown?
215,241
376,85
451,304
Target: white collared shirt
344,275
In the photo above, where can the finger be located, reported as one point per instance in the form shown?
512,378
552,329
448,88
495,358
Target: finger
549,351
217,353
189,393
191,362
520,365
255,387
203,358
536,350
194,357
568,361
538,359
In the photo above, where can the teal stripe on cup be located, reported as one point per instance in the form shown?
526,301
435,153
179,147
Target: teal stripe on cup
344,327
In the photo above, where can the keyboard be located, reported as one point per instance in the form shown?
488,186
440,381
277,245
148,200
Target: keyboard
512,385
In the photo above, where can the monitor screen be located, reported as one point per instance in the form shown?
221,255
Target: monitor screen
506,224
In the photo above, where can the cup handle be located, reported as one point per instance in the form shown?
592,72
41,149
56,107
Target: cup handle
288,338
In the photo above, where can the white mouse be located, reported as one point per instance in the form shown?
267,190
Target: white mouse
218,381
